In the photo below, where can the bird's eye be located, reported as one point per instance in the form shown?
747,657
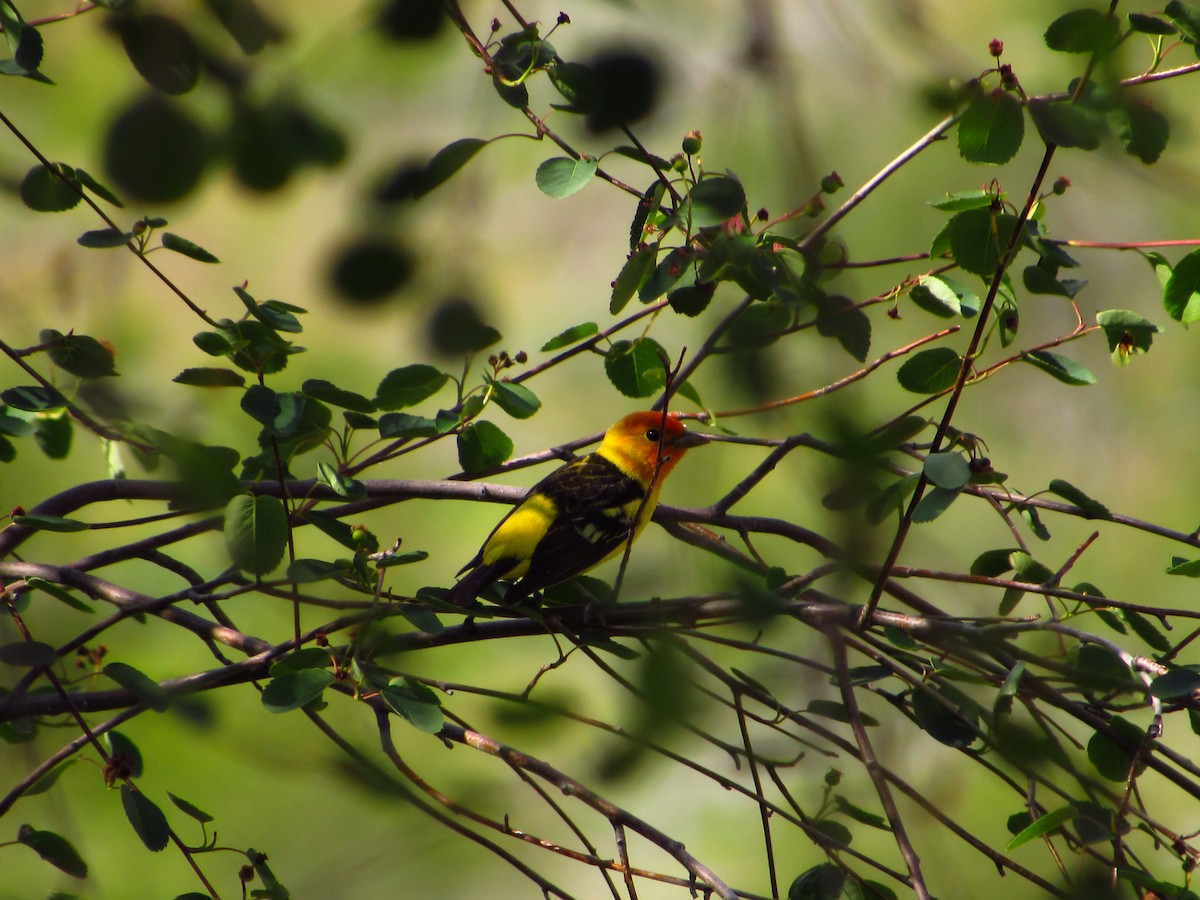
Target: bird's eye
653,435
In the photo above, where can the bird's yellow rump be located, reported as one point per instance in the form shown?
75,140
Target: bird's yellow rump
582,513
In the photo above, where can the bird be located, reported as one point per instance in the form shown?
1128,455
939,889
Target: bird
581,514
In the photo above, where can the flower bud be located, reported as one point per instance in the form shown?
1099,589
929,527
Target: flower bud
692,143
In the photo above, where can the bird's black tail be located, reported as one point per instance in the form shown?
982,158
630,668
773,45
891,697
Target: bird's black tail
476,581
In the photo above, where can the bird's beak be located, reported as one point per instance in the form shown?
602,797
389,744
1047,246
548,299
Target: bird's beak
688,439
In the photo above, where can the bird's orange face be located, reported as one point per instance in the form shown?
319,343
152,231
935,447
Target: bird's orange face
651,442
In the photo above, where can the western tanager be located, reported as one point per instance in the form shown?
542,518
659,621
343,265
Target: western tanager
582,513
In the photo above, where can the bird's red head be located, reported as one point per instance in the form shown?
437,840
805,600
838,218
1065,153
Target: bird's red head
649,443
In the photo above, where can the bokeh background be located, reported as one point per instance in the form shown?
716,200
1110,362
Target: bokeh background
783,93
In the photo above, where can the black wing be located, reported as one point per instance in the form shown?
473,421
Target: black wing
592,522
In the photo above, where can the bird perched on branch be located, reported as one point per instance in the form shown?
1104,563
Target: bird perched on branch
583,513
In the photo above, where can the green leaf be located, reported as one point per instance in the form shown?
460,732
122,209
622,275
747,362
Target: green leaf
1111,760
187,248
562,176
632,276
838,317
993,563
1144,131
866,889
306,571
948,470
28,654
1065,370
188,809
33,398
304,658
1092,508
714,199
961,200
295,688
78,354
1186,17
759,324
210,376
342,485
97,188
822,882
131,757
692,299
256,531
1008,319
978,238
835,830
1042,825
53,435
406,425
669,270
515,399
573,335
1102,670
44,522
104,238
280,414
1082,31
54,849
1127,333
1181,295
48,780
991,128
416,703
408,386
1144,24
1008,690
1065,124
16,427
401,559
1029,570
1034,520
1038,279
943,297
930,371
1146,630
145,689
204,475
1189,568
649,210
483,445
576,82
275,314
935,502
1176,684
892,436
146,818
945,724
162,51
858,814
635,368
447,161
43,191
59,594
25,44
